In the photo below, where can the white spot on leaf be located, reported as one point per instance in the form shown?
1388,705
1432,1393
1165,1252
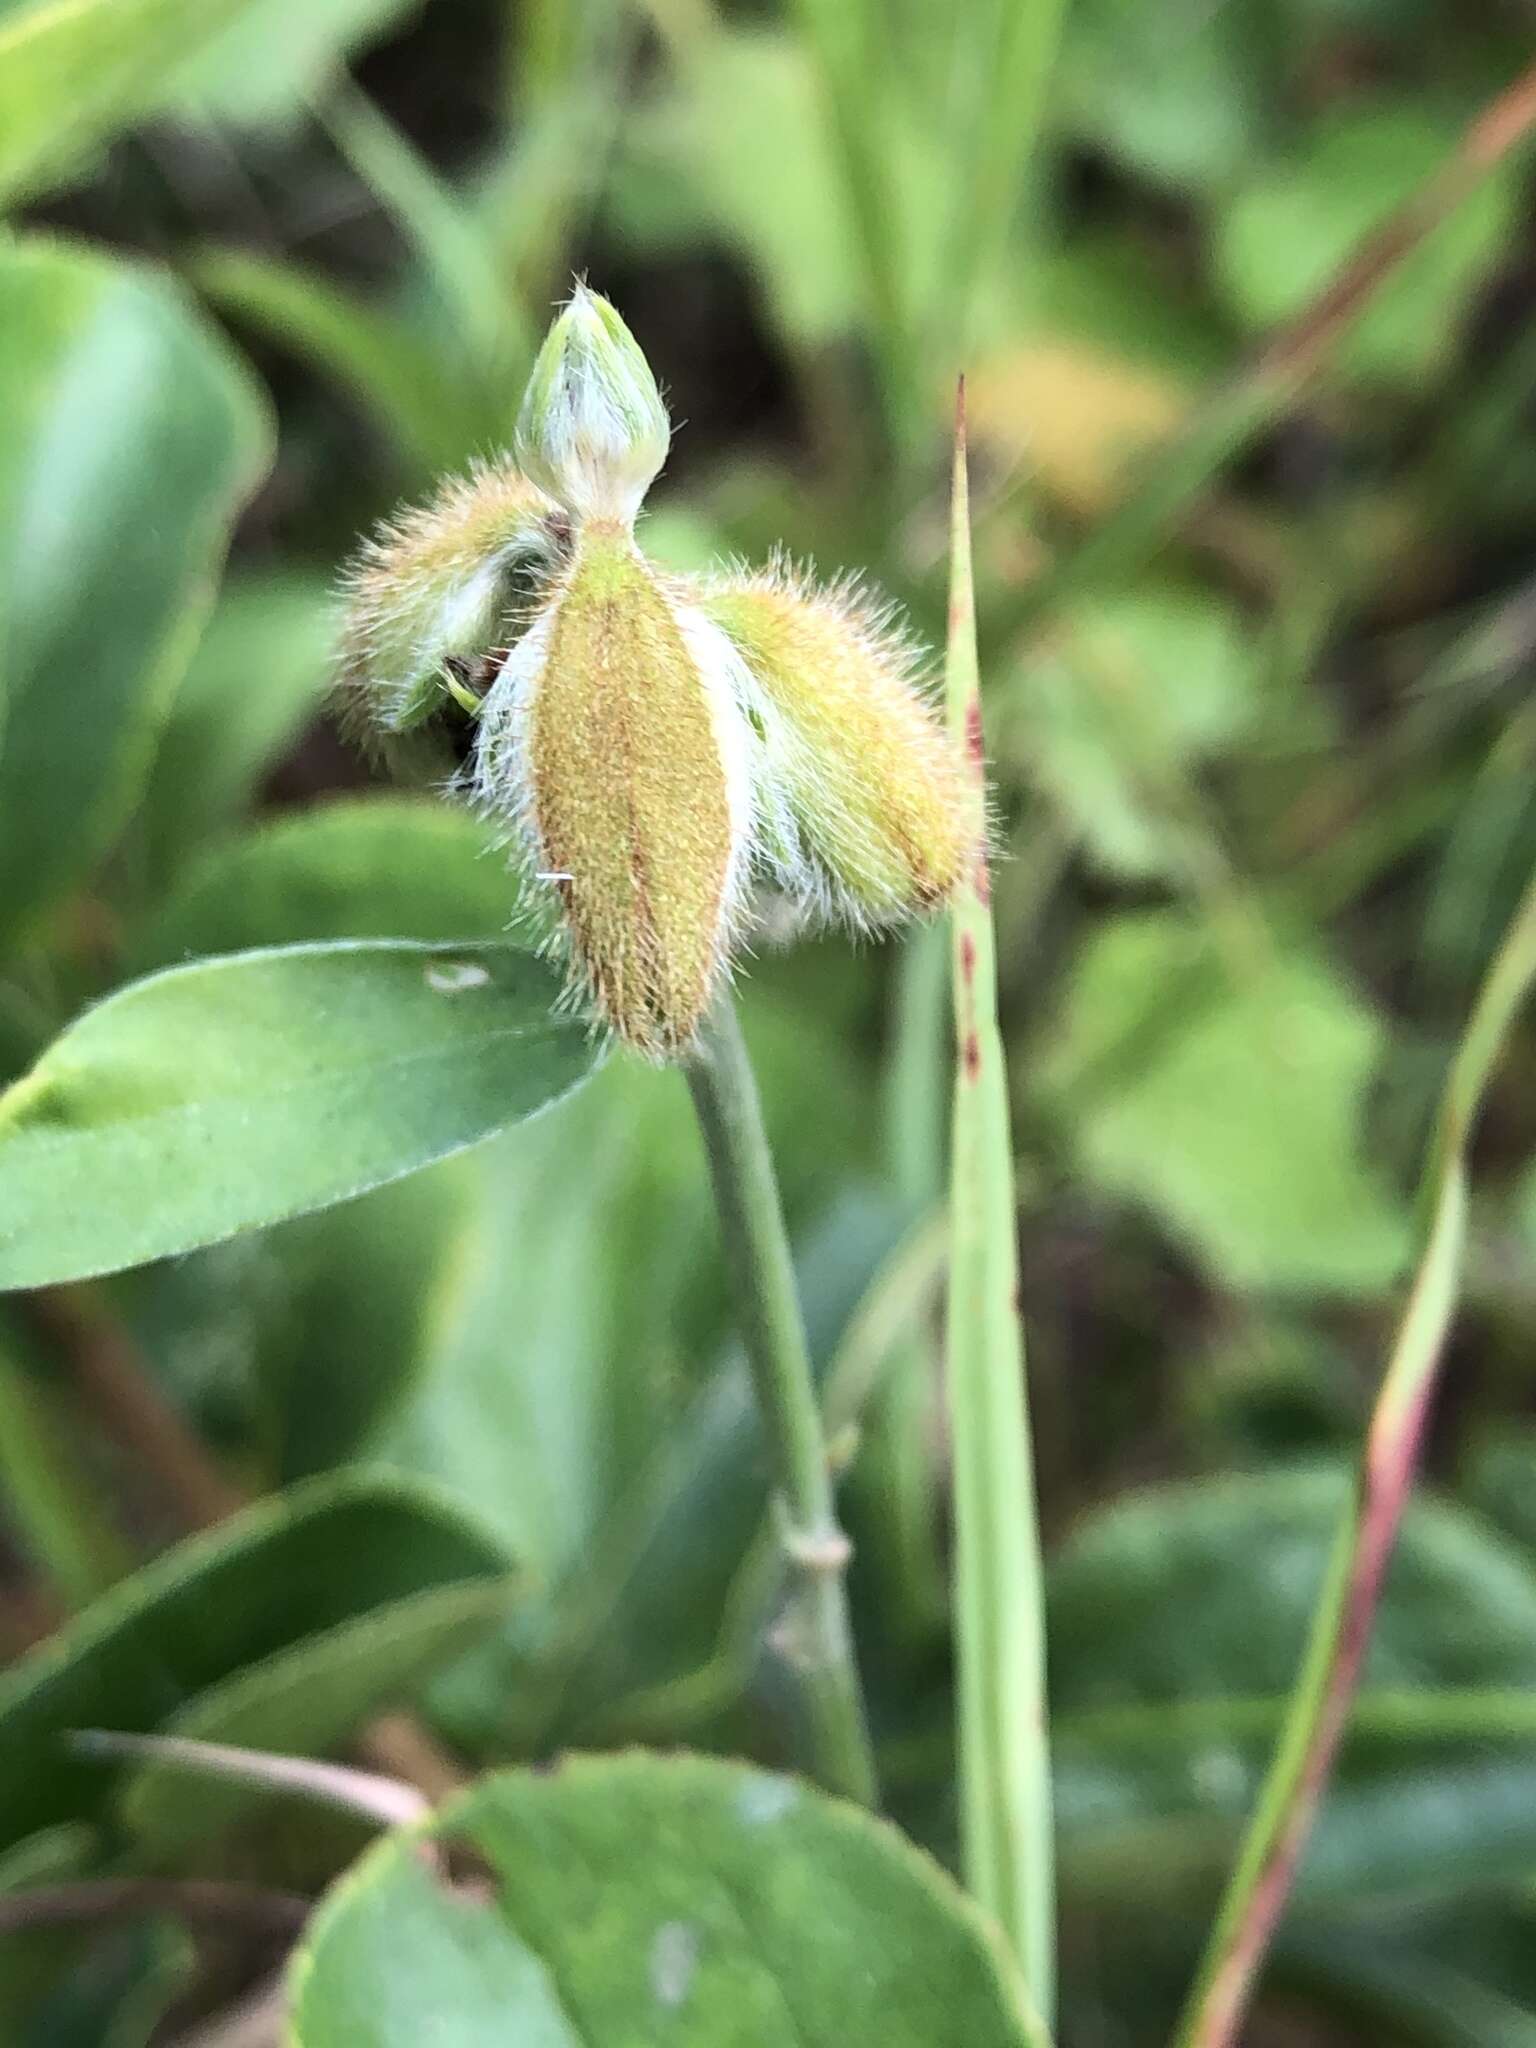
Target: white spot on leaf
763,1799
452,977
674,1959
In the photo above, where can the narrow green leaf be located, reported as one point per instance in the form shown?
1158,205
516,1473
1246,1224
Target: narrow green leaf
238,1091
455,251
720,1932
278,53
1005,1783
131,438
293,1568
75,72
306,1699
1346,1607
383,365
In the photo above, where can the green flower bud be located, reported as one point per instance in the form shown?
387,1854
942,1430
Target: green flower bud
616,739
593,430
654,745
882,809
433,593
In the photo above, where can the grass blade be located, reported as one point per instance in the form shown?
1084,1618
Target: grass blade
1013,48
1320,1705
1005,1797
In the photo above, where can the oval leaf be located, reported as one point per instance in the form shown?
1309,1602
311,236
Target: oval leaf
241,1090
678,1901
373,867
131,438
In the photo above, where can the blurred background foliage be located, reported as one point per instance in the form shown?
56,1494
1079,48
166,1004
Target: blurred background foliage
1259,625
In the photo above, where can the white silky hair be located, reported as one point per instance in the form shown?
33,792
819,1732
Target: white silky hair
503,786
601,454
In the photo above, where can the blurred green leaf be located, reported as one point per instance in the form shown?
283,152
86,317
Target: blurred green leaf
47,1857
74,72
570,1307
258,674
384,365
720,1933
1499,1476
303,1701
279,53
260,1085
1238,1561
1289,229
376,867
1110,719
1178,1615
669,1613
113,1988
131,438
278,1574
48,1502
479,313
736,144
1428,1977
1175,93
292,1347
364,1290
1232,1112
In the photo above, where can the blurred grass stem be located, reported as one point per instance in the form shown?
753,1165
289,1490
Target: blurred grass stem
1294,356
815,1633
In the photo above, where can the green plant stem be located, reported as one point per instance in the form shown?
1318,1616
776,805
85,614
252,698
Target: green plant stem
815,1634
1005,1777
1319,1708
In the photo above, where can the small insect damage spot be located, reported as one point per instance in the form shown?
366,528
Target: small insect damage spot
453,977
967,956
674,1961
971,1056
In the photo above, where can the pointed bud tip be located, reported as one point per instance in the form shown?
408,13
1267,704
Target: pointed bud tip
592,429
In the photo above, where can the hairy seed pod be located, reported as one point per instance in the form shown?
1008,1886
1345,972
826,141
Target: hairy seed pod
879,801
593,430
615,736
433,592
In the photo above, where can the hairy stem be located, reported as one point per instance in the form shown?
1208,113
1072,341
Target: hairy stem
815,1634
